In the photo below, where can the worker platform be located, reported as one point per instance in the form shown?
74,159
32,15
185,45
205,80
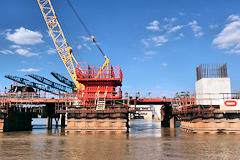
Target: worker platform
108,116
213,108
18,108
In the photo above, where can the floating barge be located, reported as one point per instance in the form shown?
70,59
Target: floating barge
100,107
213,108
18,109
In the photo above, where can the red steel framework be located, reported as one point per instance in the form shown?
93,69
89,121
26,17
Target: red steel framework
100,84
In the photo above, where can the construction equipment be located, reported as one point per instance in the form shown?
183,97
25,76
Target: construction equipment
50,83
63,79
38,86
106,63
16,88
55,30
88,79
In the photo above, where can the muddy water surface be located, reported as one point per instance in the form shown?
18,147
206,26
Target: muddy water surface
146,140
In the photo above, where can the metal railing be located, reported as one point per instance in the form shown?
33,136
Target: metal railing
149,94
90,72
206,100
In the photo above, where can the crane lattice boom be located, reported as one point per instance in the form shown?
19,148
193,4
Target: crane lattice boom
26,82
50,83
59,39
63,79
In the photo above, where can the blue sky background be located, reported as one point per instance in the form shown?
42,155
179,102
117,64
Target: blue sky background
158,43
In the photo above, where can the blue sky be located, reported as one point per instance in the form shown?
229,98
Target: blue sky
158,43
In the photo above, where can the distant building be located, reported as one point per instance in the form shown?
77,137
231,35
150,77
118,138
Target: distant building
147,112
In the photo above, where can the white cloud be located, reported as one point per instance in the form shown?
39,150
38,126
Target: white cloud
6,51
15,46
135,58
21,51
3,33
167,29
234,50
51,51
79,46
29,70
147,58
159,40
156,40
173,19
167,26
23,36
164,64
85,45
25,52
48,33
148,53
145,42
181,13
180,36
143,58
233,17
175,28
85,38
213,26
154,26
229,38
197,30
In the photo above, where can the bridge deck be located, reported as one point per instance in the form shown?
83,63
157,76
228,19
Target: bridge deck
62,100
35,100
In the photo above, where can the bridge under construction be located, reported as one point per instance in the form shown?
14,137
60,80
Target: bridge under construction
92,101
211,109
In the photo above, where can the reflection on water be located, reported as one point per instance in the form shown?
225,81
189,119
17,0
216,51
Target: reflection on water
146,140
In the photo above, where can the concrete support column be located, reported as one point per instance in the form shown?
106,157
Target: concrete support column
63,119
173,122
135,104
49,122
1,125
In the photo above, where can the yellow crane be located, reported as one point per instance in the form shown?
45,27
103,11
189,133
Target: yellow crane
64,50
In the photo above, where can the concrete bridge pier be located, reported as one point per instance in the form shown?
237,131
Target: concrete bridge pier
16,119
63,120
49,122
173,122
166,115
1,125
50,110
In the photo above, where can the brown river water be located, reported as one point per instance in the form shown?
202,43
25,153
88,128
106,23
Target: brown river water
146,140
